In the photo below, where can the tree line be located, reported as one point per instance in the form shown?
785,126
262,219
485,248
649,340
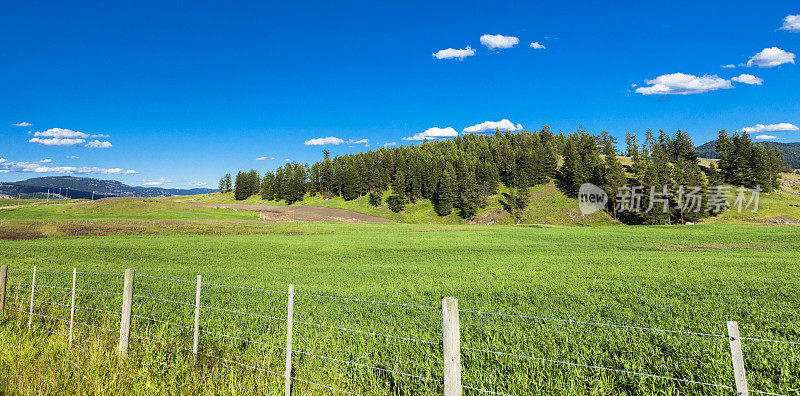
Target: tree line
461,174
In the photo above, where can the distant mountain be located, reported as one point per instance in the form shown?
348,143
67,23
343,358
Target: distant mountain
791,152
83,187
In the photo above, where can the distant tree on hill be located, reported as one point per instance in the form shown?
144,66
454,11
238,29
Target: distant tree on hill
516,202
445,192
228,182
395,203
222,185
375,199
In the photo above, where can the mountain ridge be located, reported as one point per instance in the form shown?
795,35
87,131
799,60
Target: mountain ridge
86,187
790,151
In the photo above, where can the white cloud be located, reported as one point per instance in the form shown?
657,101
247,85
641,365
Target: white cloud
100,135
770,57
61,133
98,144
683,84
22,124
323,141
286,160
451,53
766,137
748,79
490,126
334,141
498,41
261,158
156,182
780,127
73,156
38,167
728,66
389,144
536,45
197,183
433,134
272,158
46,161
56,141
791,23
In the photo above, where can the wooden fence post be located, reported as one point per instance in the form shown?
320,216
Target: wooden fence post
125,322
737,358
3,276
196,319
33,285
451,346
72,306
289,319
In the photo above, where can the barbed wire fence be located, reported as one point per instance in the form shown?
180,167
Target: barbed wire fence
88,315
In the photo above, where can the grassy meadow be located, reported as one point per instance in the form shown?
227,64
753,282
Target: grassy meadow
692,278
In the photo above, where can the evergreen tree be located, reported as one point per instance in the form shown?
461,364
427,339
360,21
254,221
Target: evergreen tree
375,199
228,182
445,192
222,185
395,203
241,188
515,202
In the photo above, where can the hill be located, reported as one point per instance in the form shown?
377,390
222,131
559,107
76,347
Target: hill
85,187
790,151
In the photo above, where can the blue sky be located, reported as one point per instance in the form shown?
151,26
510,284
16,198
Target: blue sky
188,91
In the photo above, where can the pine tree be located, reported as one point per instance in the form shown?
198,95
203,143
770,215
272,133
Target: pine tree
375,198
228,182
241,188
222,185
445,192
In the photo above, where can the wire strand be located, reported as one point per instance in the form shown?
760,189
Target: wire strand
242,339
98,291
597,367
366,332
244,313
767,340
244,288
368,301
162,278
766,393
98,310
484,390
164,300
324,386
367,366
161,321
593,323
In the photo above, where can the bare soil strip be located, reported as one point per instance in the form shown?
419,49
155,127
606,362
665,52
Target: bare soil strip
301,213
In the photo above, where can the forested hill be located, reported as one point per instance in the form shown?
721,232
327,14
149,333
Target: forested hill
790,151
83,187
461,174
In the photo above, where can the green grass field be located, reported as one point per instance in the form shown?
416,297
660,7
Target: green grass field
677,278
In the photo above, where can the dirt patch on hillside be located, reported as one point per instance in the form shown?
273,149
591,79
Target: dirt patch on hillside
300,213
20,234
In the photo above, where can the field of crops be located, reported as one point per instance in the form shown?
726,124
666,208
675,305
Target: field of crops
691,278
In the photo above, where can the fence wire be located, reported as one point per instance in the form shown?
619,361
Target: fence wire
598,367
593,323
366,332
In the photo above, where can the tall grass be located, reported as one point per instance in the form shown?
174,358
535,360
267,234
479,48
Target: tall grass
678,278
